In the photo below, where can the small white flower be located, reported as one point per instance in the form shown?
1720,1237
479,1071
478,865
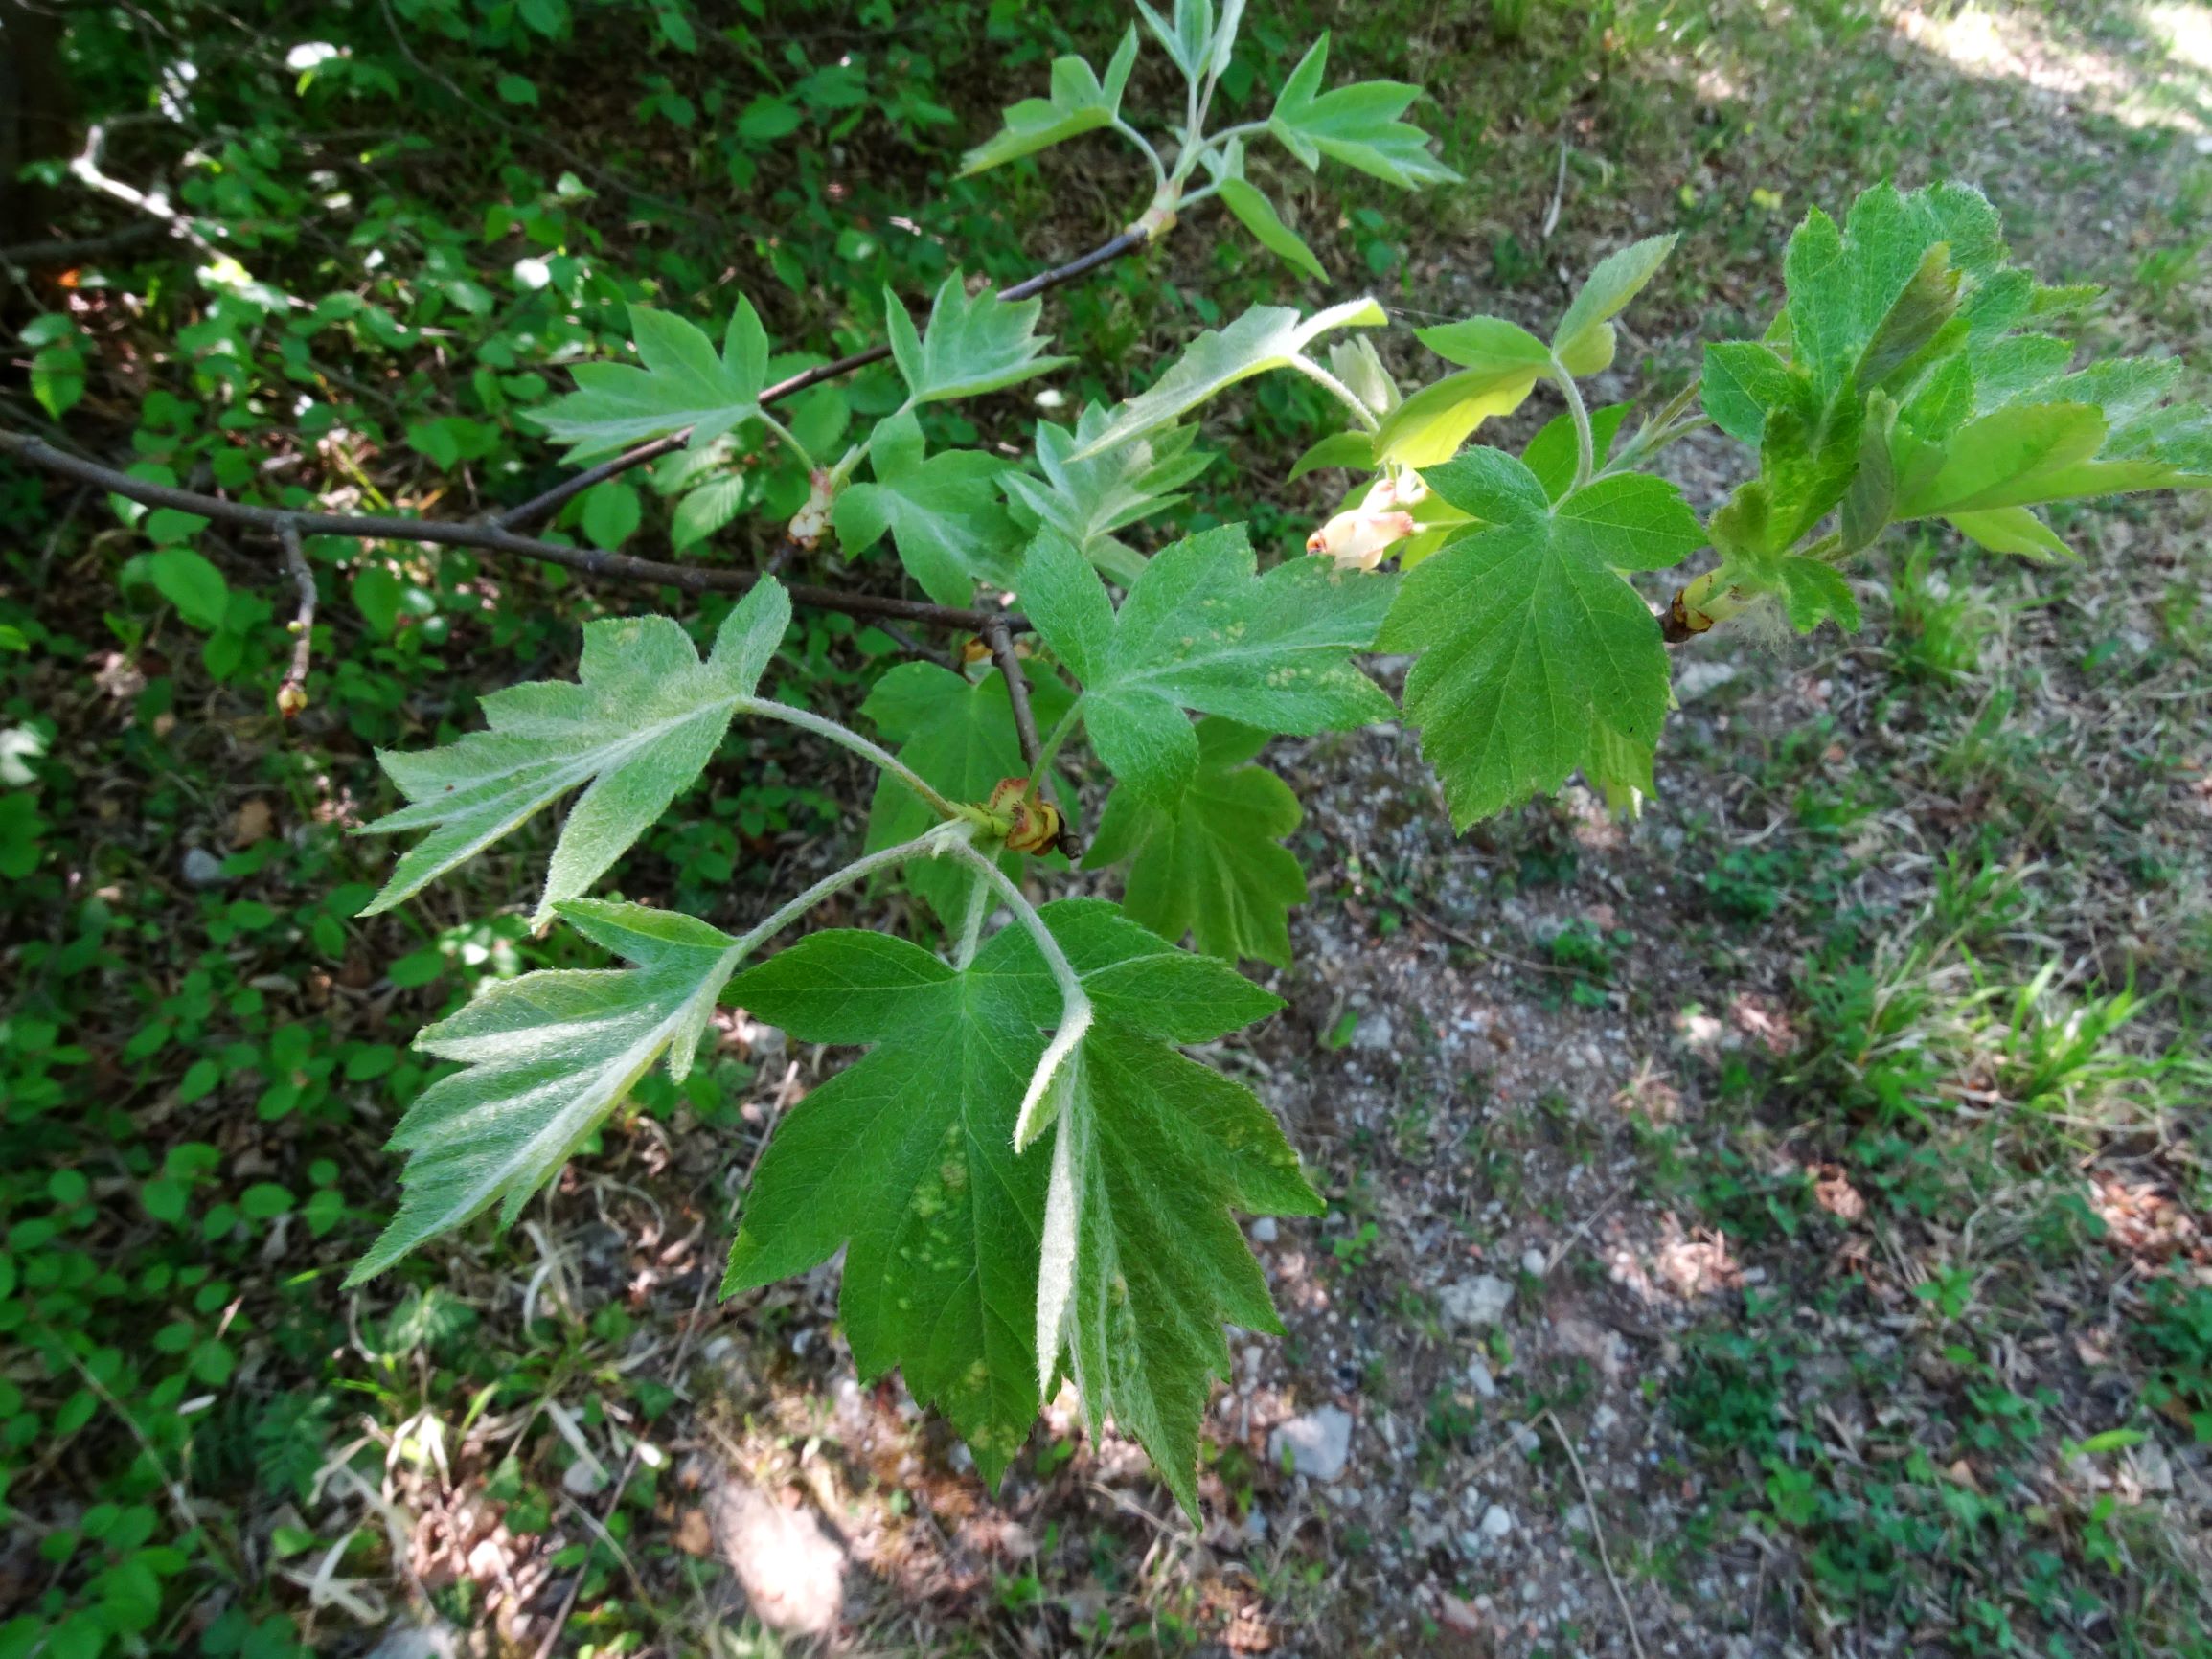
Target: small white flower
1360,538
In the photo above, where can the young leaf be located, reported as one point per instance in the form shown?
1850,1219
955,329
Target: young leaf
1264,337
943,512
1430,427
1212,866
1584,341
1812,592
1354,450
958,734
1537,658
1080,103
1489,343
545,1057
1199,629
642,716
1742,381
681,383
975,343
1258,215
1143,1262
906,1158
1356,125
1086,501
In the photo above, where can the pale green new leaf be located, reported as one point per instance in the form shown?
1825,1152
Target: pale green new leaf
642,718
975,343
1258,215
1356,125
1535,657
1500,363
1211,866
545,1057
1583,340
1264,337
678,382
1143,1261
958,734
1080,103
905,1158
1201,629
943,512
1354,450
1087,501
1812,592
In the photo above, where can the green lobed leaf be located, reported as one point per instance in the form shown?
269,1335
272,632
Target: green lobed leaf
678,382
1080,103
974,343
943,512
1211,864
1356,125
1264,337
1535,657
906,1159
958,734
1087,501
1201,629
545,1057
642,718
1143,1261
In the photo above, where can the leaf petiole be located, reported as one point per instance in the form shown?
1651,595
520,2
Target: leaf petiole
1075,1011
1336,388
1586,443
846,738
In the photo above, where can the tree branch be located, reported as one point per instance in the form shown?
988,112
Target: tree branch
491,538
292,693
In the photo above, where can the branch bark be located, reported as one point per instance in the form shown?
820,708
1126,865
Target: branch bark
491,538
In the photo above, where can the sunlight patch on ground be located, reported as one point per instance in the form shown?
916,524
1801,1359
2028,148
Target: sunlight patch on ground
2161,82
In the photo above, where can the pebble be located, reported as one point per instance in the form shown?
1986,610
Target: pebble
1534,1261
1263,1230
1497,1521
1319,1443
1479,1379
1475,1304
202,868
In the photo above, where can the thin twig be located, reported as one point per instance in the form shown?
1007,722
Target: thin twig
1000,639
1001,645
292,693
489,538
1597,1530
538,507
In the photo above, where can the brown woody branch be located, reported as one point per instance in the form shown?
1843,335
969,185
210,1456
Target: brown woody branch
491,538
292,693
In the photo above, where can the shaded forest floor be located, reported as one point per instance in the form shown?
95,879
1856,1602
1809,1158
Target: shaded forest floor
1774,1225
